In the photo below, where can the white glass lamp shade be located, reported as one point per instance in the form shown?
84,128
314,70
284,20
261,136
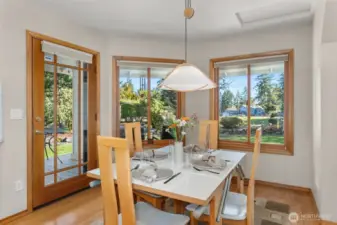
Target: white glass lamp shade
186,77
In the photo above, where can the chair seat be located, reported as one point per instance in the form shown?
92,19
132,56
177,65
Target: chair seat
149,194
235,207
148,215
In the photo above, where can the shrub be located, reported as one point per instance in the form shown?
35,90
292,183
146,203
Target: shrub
273,121
274,114
231,122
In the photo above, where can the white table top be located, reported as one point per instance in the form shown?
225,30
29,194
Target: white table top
195,186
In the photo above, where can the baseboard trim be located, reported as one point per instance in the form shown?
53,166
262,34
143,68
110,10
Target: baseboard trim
278,185
14,217
286,186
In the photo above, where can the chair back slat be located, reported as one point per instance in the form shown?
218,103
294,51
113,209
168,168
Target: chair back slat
208,133
121,148
134,137
251,184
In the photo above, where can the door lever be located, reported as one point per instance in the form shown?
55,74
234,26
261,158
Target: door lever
39,132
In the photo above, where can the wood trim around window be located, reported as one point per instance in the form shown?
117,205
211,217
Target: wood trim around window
115,92
288,147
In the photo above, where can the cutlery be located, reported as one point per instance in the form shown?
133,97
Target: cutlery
171,178
135,168
143,160
205,170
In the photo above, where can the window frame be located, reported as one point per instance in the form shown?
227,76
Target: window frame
116,95
288,147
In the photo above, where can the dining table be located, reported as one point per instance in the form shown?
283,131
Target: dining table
190,186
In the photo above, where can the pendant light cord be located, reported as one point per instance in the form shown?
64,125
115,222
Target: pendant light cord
185,40
187,5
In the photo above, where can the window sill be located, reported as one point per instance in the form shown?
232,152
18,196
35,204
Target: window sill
249,147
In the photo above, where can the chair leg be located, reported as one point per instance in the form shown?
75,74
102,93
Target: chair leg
158,203
178,207
138,199
193,221
242,186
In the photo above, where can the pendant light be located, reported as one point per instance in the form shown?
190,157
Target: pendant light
186,77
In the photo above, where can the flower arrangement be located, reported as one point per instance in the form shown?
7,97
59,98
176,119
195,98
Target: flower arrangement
178,127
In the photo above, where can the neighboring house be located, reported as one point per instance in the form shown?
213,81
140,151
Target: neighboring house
230,112
254,110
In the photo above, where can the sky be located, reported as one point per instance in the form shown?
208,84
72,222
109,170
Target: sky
237,82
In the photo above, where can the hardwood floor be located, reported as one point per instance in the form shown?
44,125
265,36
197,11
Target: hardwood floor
85,208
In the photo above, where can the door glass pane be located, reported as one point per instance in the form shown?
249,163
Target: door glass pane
67,174
233,104
163,104
48,180
133,98
267,108
48,57
67,117
48,118
84,119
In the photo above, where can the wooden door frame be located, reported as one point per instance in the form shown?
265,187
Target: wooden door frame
30,35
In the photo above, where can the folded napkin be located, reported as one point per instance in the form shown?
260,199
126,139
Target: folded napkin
149,174
210,161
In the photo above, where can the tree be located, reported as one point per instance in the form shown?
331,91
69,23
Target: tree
264,89
238,101
280,94
65,107
226,100
224,83
169,98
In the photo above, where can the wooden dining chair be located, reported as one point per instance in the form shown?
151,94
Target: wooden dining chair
133,136
209,135
238,208
140,214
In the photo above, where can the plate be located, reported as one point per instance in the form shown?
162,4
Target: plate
162,173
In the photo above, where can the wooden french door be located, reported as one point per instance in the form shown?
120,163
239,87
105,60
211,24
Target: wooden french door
64,124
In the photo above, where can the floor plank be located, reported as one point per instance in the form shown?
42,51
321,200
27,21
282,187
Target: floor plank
85,208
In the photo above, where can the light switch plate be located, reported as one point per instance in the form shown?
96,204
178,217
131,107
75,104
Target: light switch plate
16,114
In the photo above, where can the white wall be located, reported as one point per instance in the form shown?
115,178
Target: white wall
317,43
292,170
328,181
16,17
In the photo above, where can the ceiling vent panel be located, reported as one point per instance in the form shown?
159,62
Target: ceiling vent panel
279,10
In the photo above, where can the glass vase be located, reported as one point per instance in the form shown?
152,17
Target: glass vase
178,155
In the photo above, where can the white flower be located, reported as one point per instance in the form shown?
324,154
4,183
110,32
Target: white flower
183,133
167,130
182,123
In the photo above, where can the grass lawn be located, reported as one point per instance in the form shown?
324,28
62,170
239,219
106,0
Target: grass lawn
268,139
62,149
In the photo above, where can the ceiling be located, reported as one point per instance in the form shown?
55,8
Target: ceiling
164,18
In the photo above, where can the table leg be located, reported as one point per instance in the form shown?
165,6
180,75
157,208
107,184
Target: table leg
215,204
178,207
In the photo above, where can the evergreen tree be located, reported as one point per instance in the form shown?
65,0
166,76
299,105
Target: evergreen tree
264,96
226,100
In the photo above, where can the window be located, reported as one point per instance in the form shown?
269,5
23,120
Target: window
140,99
254,91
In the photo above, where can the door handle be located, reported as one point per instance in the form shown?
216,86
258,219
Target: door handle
39,132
